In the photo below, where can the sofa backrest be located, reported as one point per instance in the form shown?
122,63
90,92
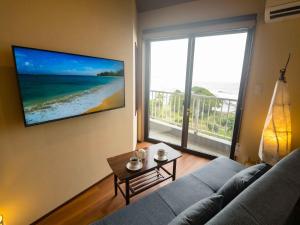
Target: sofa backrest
268,201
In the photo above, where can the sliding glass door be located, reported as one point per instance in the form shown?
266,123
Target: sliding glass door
216,78
167,89
194,90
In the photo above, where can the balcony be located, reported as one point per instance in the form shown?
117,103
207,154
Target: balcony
211,121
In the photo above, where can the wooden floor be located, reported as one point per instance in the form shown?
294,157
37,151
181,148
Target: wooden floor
100,201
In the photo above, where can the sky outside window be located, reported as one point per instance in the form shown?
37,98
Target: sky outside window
168,65
218,62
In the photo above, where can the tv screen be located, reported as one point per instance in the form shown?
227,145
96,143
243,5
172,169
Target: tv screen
56,85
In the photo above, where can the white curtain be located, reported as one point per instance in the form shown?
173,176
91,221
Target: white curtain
276,137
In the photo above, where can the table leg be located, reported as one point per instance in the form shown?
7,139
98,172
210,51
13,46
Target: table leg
116,184
127,192
174,170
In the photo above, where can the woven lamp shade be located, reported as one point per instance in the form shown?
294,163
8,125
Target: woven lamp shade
276,137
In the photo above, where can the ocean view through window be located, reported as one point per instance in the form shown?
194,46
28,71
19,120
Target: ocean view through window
213,91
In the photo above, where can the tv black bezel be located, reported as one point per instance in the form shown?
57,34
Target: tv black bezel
68,117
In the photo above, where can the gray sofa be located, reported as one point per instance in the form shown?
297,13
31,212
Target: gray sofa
270,200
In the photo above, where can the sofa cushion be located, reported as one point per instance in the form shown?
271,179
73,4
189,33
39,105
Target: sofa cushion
235,185
184,192
149,210
269,200
200,212
294,217
217,172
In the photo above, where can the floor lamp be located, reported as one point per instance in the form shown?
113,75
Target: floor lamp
277,133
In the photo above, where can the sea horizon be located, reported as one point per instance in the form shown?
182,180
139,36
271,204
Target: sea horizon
36,89
65,97
228,90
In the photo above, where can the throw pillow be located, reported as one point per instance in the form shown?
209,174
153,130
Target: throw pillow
200,212
240,181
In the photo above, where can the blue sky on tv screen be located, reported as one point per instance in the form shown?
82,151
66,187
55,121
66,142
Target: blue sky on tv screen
40,62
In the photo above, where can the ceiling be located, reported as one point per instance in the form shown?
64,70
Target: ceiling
147,5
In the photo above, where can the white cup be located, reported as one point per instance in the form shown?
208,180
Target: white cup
161,153
134,161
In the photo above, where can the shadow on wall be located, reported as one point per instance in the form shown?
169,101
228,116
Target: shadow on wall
11,109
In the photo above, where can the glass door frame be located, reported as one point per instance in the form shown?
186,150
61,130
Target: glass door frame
188,85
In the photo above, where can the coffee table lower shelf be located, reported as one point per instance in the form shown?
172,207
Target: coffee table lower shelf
142,182
153,172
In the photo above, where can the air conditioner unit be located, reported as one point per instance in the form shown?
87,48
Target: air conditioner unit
279,10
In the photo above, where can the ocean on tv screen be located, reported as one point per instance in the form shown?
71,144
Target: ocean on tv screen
58,85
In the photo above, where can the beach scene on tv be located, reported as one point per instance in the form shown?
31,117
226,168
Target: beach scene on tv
57,85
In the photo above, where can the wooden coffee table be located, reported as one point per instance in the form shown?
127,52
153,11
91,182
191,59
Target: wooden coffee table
151,174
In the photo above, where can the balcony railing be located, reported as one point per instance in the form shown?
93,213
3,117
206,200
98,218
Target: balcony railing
208,114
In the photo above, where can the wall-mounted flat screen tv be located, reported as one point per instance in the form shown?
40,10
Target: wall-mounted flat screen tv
56,85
